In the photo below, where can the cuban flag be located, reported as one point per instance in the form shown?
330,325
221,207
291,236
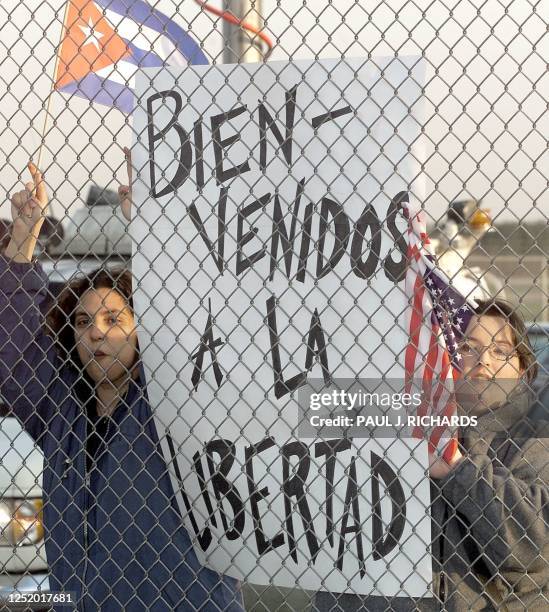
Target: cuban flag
105,43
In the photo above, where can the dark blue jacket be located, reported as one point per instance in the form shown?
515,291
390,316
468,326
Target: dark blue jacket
114,536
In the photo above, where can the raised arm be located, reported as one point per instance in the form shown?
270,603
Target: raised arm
28,209
125,191
27,354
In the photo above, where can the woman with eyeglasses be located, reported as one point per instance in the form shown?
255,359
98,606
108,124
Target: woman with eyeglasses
490,503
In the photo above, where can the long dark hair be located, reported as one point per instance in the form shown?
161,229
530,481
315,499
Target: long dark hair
60,318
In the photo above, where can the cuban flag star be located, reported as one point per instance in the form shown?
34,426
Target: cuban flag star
105,43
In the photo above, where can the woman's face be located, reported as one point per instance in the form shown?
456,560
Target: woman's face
489,350
105,335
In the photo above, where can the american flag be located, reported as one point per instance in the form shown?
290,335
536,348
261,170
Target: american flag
438,318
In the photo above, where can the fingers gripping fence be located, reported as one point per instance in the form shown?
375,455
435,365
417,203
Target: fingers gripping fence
273,305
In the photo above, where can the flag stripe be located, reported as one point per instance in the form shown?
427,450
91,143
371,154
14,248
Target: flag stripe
147,41
438,316
96,89
144,14
415,327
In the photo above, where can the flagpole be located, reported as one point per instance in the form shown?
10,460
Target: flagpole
56,66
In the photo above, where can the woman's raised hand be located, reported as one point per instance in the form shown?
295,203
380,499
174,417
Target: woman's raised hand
28,209
125,191
28,205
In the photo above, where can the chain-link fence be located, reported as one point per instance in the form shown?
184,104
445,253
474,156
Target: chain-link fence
274,323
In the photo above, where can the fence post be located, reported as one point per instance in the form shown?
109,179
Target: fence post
242,46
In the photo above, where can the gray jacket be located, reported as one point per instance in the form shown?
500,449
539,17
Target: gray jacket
490,523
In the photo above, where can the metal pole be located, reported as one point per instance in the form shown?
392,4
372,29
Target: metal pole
242,46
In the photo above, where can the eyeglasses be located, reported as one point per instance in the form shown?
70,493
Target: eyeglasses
497,350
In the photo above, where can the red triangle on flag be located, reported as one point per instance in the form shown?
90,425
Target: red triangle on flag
89,44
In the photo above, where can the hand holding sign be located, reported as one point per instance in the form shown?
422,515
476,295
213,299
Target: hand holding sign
441,465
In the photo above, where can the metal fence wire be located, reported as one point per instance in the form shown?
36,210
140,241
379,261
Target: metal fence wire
274,323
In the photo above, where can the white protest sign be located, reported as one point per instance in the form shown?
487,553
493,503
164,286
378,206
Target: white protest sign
271,242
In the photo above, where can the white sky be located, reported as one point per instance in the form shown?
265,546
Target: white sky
487,88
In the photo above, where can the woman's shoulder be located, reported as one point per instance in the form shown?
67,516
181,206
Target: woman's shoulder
139,382
539,429
530,427
137,397
530,440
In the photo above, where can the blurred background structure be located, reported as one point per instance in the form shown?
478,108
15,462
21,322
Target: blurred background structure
485,104
485,123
